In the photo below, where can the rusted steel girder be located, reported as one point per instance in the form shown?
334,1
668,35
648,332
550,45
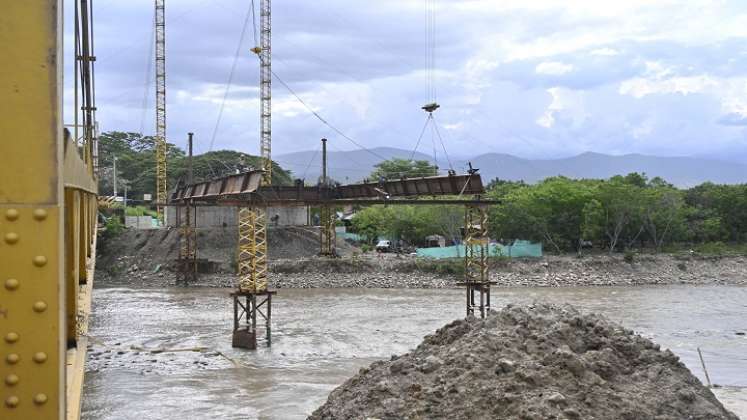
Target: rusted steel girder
246,186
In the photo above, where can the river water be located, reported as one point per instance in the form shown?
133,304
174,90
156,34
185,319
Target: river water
323,336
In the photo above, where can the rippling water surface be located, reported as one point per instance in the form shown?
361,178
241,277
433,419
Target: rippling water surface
321,337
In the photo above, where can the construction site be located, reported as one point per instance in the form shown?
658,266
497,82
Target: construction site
251,292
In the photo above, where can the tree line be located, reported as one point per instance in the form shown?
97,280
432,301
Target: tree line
136,164
619,213
568,215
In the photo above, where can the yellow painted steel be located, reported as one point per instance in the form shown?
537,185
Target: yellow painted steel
161,146
476,243
47,222
252,255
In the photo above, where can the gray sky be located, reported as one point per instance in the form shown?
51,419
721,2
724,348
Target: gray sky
537,79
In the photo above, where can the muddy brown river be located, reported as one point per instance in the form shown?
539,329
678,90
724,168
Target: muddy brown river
143,364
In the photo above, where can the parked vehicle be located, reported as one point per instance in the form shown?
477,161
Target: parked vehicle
384,246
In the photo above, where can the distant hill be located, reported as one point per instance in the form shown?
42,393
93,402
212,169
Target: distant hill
343,166
681,171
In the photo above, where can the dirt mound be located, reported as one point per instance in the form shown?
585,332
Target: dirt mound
527,362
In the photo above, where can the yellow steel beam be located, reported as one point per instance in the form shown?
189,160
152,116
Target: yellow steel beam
47,222
31,216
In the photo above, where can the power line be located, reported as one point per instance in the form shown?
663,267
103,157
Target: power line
325,122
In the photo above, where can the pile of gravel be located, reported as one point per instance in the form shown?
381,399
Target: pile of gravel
527,362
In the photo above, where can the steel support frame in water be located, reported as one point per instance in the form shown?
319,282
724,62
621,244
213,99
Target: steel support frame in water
247,307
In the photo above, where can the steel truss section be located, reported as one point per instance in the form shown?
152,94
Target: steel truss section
476,278
252,252
186,219
327,219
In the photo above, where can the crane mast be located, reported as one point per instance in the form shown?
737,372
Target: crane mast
160,37
265,73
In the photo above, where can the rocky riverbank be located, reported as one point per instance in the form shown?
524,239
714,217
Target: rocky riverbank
147,259
410,272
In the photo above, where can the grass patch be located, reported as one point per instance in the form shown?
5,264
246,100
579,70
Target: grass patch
140,211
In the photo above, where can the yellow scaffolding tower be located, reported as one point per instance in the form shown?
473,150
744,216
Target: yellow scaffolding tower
327,219
252,255
477,250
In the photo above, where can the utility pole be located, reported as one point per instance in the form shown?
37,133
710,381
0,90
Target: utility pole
160,32
327,217
190,173
324,161
115,178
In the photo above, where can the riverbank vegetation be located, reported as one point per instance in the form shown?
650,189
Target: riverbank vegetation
136,165
566,215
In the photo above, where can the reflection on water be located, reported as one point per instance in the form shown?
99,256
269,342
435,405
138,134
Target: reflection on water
321,337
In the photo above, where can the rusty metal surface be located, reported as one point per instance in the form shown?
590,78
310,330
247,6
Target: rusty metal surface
231,185
244,188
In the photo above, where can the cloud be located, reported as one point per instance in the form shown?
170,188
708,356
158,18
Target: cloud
553,68
733,119
537,78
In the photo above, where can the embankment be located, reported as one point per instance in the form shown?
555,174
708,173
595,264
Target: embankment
146,259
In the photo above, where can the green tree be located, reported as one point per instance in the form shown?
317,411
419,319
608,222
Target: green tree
136,163
403,168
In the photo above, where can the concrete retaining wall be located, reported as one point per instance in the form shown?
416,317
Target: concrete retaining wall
226,216
140,222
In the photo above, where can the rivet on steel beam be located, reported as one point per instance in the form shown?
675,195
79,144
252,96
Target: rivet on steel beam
40,260
40,306
11,215
40,214
11,337
11,380
40,357
11,238
11,284
12,401
40,399
12,358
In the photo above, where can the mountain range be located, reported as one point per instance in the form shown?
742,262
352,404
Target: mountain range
352,166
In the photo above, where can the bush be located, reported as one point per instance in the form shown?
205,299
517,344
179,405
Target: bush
629,256
365,248
713,248
113,227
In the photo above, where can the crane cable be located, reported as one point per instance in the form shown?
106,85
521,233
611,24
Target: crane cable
430,85
249,14
324,121
148,79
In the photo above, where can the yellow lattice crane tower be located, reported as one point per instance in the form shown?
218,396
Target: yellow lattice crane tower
252,252
160,32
